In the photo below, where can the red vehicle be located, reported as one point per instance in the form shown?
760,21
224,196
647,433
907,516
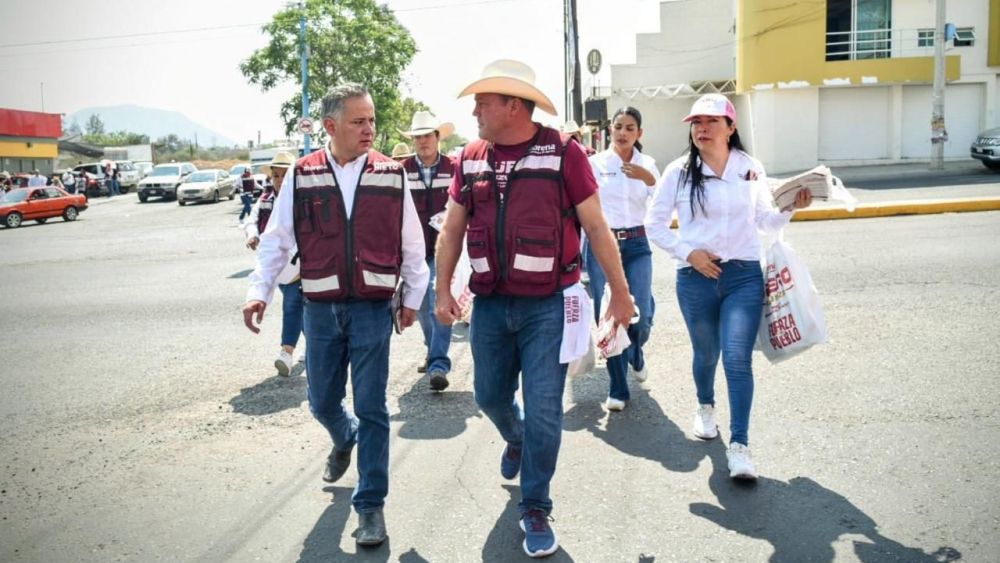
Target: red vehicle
39,204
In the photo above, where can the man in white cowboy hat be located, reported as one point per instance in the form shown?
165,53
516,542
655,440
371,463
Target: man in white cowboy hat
429,174
523,193
350,213
288,279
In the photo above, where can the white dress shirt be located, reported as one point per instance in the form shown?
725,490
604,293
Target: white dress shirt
735,210
277,243
291,271
623,199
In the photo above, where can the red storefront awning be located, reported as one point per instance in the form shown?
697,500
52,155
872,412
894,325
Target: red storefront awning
17,123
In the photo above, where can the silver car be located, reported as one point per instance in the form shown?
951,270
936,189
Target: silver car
206,185
986,149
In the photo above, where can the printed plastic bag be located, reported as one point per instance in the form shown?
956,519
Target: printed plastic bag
612,340
793,319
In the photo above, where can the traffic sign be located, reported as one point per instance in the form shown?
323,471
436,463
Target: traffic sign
594,61
306,126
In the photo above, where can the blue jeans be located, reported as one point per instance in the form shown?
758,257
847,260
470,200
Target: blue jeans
355,334
291,313
437,337
724,315
522,335
247,201
637,259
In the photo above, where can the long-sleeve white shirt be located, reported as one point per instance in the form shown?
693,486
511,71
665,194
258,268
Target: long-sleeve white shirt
735,210
291,271
278,240
623,199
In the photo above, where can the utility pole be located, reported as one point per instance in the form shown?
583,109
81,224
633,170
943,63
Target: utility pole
42,88
304,57
938,132
574,102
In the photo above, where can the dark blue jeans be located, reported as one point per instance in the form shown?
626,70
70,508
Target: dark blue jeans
437,337
723,316
247,201
291,313
514,336
352,334
637,259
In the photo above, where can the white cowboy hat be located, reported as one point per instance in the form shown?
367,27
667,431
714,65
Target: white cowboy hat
283,159
512,78
424,123
572,126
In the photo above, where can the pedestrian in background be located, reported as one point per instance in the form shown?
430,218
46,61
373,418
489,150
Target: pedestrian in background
626,178
429,174
247,185
721,197
350,213
288,279
69,181
525,191
36,180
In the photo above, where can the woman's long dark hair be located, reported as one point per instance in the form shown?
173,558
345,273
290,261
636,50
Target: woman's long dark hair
634,113
692,169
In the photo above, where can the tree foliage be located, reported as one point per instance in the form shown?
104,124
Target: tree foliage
94,125
349,40
116,139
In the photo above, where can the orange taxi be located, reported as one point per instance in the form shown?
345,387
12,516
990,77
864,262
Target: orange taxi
39,204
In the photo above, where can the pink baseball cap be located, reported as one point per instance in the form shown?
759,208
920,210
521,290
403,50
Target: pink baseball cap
712,104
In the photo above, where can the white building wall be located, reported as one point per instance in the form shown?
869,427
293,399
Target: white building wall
853,123
963,121
784,128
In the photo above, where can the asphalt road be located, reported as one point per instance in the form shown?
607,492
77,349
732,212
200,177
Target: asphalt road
142,422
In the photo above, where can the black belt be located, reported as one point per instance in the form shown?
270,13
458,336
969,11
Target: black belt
631,232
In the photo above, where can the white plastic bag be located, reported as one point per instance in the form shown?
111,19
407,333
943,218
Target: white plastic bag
793,319
585,363
612,340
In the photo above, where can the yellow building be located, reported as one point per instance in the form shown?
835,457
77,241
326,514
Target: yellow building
29,140
834,81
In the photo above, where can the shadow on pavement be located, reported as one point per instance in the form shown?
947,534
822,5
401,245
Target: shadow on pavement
505,539
272,395
323,542
800,518
239,275
427,415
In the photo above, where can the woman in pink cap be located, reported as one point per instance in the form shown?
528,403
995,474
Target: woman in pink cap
721,197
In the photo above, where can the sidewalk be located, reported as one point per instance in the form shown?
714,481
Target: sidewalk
911,189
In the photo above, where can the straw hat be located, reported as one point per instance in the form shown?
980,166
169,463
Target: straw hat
401,151
423,123
512,78
572,127
283,159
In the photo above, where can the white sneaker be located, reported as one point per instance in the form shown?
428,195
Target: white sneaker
640,375
704,423
616,405
740,463
283,363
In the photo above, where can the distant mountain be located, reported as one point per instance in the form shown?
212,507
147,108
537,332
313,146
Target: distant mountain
150,121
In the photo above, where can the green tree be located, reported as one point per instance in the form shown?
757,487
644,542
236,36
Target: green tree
400,114
94,125
349,40
452,141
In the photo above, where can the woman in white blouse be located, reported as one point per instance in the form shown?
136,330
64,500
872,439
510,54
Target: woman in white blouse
722,199
626,178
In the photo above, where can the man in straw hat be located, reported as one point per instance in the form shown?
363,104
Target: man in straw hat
288,279
573,129
350,211
401,151
429,174
524,192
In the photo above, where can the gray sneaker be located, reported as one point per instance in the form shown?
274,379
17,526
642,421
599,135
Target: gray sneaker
337,464
439,380
371,528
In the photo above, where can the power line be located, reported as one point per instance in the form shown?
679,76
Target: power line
131,35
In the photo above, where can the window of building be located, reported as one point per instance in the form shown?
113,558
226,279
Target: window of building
964,37
858,29
925,37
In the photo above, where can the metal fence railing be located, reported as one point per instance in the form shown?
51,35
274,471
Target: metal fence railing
879,44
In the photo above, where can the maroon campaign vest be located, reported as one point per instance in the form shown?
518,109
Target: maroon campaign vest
248,183
526,241
349,258
429,200
264,207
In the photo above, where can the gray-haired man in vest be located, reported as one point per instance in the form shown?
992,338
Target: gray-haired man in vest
350,211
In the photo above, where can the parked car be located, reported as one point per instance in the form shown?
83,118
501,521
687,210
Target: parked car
986,149
39,205
206,185
128,175
258,175
164,179
97,181
144,168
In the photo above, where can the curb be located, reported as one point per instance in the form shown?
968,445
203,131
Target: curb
892,208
